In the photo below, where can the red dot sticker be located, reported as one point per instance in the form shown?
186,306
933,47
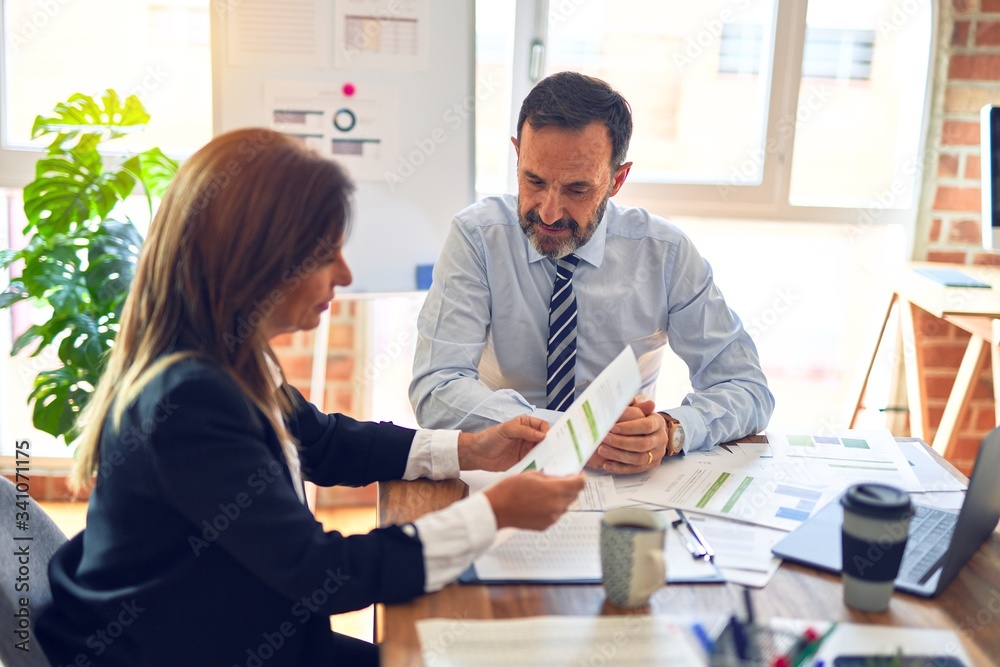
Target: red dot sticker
348,89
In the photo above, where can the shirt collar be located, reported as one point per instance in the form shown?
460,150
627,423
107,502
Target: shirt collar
592,251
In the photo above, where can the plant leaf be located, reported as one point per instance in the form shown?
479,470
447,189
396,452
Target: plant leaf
84,346
71,189
81,115
7,257
156,170
114,253
54,274
58,397
15,292
33,333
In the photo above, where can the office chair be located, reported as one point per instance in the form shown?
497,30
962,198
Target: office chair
46,538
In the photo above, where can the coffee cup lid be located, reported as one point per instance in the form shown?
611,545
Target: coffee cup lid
877,500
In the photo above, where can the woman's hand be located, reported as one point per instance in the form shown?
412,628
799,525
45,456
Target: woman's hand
501,446
532,500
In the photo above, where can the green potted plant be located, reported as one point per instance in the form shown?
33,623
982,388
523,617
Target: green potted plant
80,256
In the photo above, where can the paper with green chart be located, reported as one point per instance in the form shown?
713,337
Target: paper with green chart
573,439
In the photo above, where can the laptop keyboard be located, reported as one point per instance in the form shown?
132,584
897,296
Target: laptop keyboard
928,542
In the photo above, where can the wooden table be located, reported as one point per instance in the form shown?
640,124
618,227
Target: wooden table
973,309
970,605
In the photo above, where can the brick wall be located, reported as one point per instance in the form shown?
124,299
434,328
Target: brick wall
966,73
295,352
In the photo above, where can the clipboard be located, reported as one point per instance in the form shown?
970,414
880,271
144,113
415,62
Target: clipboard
569,553
470,576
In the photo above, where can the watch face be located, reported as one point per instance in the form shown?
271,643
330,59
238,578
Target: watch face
677,442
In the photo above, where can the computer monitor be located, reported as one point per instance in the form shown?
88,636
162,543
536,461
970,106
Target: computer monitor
990,169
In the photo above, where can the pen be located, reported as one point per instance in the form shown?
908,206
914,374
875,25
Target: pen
809,651
704,552
739,638
706,641
696,553
748,605
800,645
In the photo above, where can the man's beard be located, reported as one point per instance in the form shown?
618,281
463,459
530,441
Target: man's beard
553,247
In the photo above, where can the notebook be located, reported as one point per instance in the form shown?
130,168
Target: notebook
939,544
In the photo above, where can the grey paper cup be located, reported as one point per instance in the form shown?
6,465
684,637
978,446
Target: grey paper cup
873,538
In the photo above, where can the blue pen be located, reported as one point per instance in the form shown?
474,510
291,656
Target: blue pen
702,634
739,638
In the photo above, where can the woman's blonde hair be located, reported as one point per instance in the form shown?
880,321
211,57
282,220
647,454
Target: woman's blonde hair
245,219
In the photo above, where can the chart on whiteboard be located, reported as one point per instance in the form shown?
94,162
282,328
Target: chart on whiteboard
356,124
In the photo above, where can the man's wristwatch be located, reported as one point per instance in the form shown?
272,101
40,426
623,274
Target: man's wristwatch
675,435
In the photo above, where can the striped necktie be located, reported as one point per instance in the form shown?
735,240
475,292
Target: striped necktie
560,386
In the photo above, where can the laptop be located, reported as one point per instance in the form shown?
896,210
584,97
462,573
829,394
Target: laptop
939,543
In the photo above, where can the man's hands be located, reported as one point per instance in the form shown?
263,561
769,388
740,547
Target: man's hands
532,500
637,442
501,446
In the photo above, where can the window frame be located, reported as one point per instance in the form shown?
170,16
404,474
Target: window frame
769,199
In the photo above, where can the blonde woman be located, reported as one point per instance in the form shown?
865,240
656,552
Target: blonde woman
199,549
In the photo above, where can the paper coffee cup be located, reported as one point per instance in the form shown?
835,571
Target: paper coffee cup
873,538
632,562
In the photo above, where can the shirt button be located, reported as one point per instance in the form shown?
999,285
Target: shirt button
409,529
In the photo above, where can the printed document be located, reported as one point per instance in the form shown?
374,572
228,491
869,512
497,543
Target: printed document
558,641
725,489
572,440
845,457
570,550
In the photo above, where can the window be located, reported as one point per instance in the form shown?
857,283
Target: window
157,49
783,136
832,53
765,109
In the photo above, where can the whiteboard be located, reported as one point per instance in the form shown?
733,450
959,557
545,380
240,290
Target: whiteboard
424,103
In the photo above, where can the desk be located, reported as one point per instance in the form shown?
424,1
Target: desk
972,309
970,604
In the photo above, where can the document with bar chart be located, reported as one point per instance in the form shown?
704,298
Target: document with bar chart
779,500
844,457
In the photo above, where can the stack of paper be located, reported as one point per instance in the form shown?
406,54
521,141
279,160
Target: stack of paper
645,641
557,641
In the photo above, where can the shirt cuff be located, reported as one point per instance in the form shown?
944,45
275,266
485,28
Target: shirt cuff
454,537
433,454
